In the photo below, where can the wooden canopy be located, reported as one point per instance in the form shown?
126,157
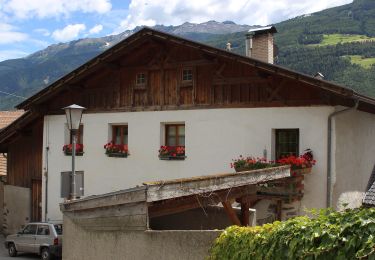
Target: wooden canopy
131,209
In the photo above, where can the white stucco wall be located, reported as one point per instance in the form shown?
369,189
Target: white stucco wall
354,153
213,138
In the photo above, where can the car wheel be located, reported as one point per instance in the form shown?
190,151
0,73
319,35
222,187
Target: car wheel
12,251
45,254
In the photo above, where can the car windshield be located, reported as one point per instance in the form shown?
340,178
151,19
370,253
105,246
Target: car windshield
58,228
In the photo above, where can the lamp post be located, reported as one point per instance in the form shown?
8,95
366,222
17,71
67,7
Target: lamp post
73,118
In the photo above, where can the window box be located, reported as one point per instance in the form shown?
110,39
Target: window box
172,153
67,149
117,154
116,150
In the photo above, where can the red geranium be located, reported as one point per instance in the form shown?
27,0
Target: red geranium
68,148
171,151
116,148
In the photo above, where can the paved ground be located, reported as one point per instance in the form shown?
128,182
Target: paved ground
4,253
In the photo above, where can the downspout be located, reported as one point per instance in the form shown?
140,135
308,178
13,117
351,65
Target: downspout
329,151
46,189
46,168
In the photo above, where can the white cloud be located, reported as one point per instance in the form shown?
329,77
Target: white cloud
53,8
96,29
252,12
69,32
43,31
8,34
12,54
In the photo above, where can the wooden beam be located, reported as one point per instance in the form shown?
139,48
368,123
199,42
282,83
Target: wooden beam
245,214
231,213
279,209
113,65
163,190
190,63
237,80
172,206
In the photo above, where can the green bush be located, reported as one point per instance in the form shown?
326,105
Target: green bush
328,235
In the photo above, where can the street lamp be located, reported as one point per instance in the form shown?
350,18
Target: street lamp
73,118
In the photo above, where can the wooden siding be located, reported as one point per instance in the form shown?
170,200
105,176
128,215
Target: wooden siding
217,82
25,156
36,200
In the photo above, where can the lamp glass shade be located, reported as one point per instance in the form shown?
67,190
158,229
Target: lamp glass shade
73,116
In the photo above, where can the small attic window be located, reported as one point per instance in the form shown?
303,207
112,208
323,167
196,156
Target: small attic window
141,79
187,75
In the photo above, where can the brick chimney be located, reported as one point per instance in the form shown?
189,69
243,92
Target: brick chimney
259,43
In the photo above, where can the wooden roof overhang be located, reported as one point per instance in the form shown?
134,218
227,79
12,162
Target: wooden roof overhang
16,127
34,105
160,198
108,58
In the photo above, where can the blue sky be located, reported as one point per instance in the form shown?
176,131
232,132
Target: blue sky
27,26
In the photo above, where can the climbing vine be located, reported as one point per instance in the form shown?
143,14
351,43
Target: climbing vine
327,235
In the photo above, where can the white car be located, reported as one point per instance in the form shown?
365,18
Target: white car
40,238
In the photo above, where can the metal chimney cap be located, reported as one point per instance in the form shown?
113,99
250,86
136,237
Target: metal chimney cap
319,75
262,30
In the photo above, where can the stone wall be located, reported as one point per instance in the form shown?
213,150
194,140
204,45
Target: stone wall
17,203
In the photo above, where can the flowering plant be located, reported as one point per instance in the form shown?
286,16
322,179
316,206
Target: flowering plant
172,152
251,163
304,161
111,148
67,149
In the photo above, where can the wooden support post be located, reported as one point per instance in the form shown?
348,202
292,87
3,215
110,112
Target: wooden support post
231,213
245,214
278,209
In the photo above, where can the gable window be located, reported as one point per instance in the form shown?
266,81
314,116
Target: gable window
287,142
187,75
141,79
67,149
174,146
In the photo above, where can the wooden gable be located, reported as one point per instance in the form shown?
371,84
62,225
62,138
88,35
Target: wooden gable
217,82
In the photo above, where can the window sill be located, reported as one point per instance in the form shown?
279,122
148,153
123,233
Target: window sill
77,153
172,158
186,84
118,155
140,87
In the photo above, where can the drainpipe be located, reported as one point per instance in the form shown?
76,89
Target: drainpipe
46,189
329,151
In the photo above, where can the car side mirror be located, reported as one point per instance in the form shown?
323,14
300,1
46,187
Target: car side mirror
19,232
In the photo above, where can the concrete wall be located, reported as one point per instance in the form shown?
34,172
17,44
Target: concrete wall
81,244
354,153
17,208
213,138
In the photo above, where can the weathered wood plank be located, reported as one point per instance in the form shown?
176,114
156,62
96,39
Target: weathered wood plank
185,187
130,209
110,199
172,206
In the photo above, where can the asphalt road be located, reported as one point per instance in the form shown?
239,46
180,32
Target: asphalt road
4,253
